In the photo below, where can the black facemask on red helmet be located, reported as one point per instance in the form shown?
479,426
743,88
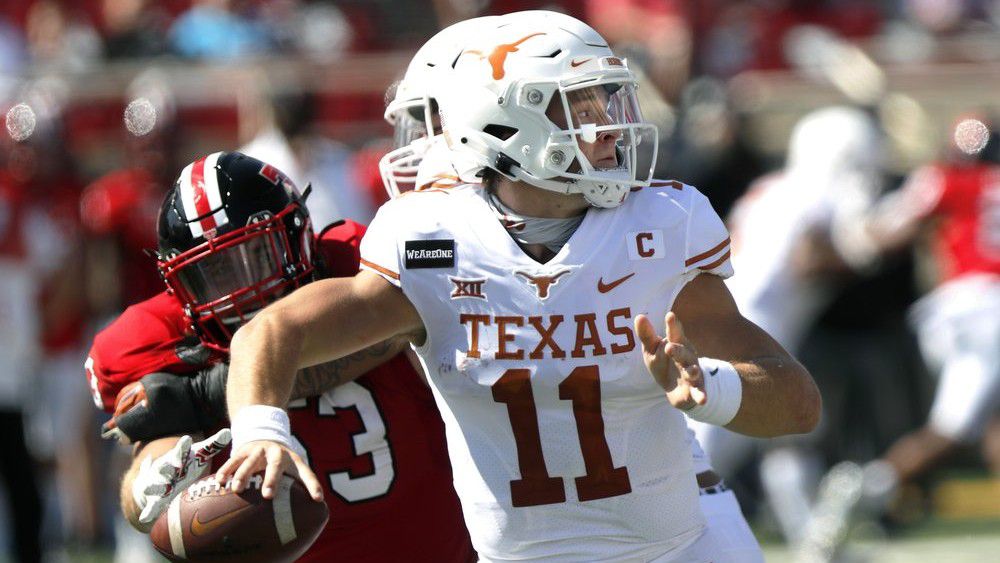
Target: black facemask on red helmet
234,236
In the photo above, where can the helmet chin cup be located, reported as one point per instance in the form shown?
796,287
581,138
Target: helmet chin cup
604,194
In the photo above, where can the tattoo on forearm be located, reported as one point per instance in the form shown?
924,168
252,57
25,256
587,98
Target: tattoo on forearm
316,380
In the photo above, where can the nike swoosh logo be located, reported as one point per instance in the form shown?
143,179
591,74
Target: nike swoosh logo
200,528
575,64
606,287
713,371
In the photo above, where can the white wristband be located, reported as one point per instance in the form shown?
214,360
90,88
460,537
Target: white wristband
723,393
261,422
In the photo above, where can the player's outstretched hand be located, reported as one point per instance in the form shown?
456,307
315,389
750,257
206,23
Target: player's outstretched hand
272,458
672,361
161,479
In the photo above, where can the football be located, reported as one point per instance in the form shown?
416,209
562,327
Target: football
211,523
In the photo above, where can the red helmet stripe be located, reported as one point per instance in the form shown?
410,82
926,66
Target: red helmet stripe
201,204
199,192
211,187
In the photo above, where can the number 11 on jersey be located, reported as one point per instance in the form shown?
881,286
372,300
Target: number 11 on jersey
536,486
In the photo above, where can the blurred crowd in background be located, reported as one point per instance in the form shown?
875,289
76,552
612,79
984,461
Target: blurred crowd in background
106,100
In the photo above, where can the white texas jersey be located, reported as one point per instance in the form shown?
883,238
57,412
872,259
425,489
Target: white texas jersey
563,446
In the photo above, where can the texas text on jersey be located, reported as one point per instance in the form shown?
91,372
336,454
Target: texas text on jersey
377,442
523,355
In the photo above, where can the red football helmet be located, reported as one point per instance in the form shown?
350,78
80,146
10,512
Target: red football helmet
234,236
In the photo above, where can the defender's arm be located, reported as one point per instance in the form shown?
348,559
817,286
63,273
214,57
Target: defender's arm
319,322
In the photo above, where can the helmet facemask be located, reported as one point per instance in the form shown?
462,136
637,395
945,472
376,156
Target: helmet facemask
412,110
414,126
225,281
545,132
598,146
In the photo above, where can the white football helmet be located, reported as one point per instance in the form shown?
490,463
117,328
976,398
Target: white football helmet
837,139
413,109
527,88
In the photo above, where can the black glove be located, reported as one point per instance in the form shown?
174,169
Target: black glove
164,404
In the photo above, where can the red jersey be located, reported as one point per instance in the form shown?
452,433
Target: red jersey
41,225
377,444
122,205
966,202
65,309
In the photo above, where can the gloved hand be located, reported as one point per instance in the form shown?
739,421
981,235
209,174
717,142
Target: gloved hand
161,479
164,404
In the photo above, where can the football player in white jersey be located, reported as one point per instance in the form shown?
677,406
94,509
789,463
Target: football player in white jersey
421,161
565,426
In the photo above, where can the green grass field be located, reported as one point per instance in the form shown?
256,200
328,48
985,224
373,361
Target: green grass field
963,527
936,541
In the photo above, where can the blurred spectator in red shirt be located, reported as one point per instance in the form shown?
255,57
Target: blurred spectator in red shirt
119,209
42,310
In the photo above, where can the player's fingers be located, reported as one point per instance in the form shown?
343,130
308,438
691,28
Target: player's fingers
247,468
680,395
698,394
675,329
308,478
172,462
227,468
675,332
155,489
647,334
110,430
178,454
690,370
684,356
273,470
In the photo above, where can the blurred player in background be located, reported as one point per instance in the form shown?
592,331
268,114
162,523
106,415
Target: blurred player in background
116,212
234,235
832,175
441,263
287,136
118,208
955,203
24,265
421,160
44,312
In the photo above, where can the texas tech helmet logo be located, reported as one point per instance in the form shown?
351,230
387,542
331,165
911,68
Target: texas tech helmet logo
275,176
541,283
